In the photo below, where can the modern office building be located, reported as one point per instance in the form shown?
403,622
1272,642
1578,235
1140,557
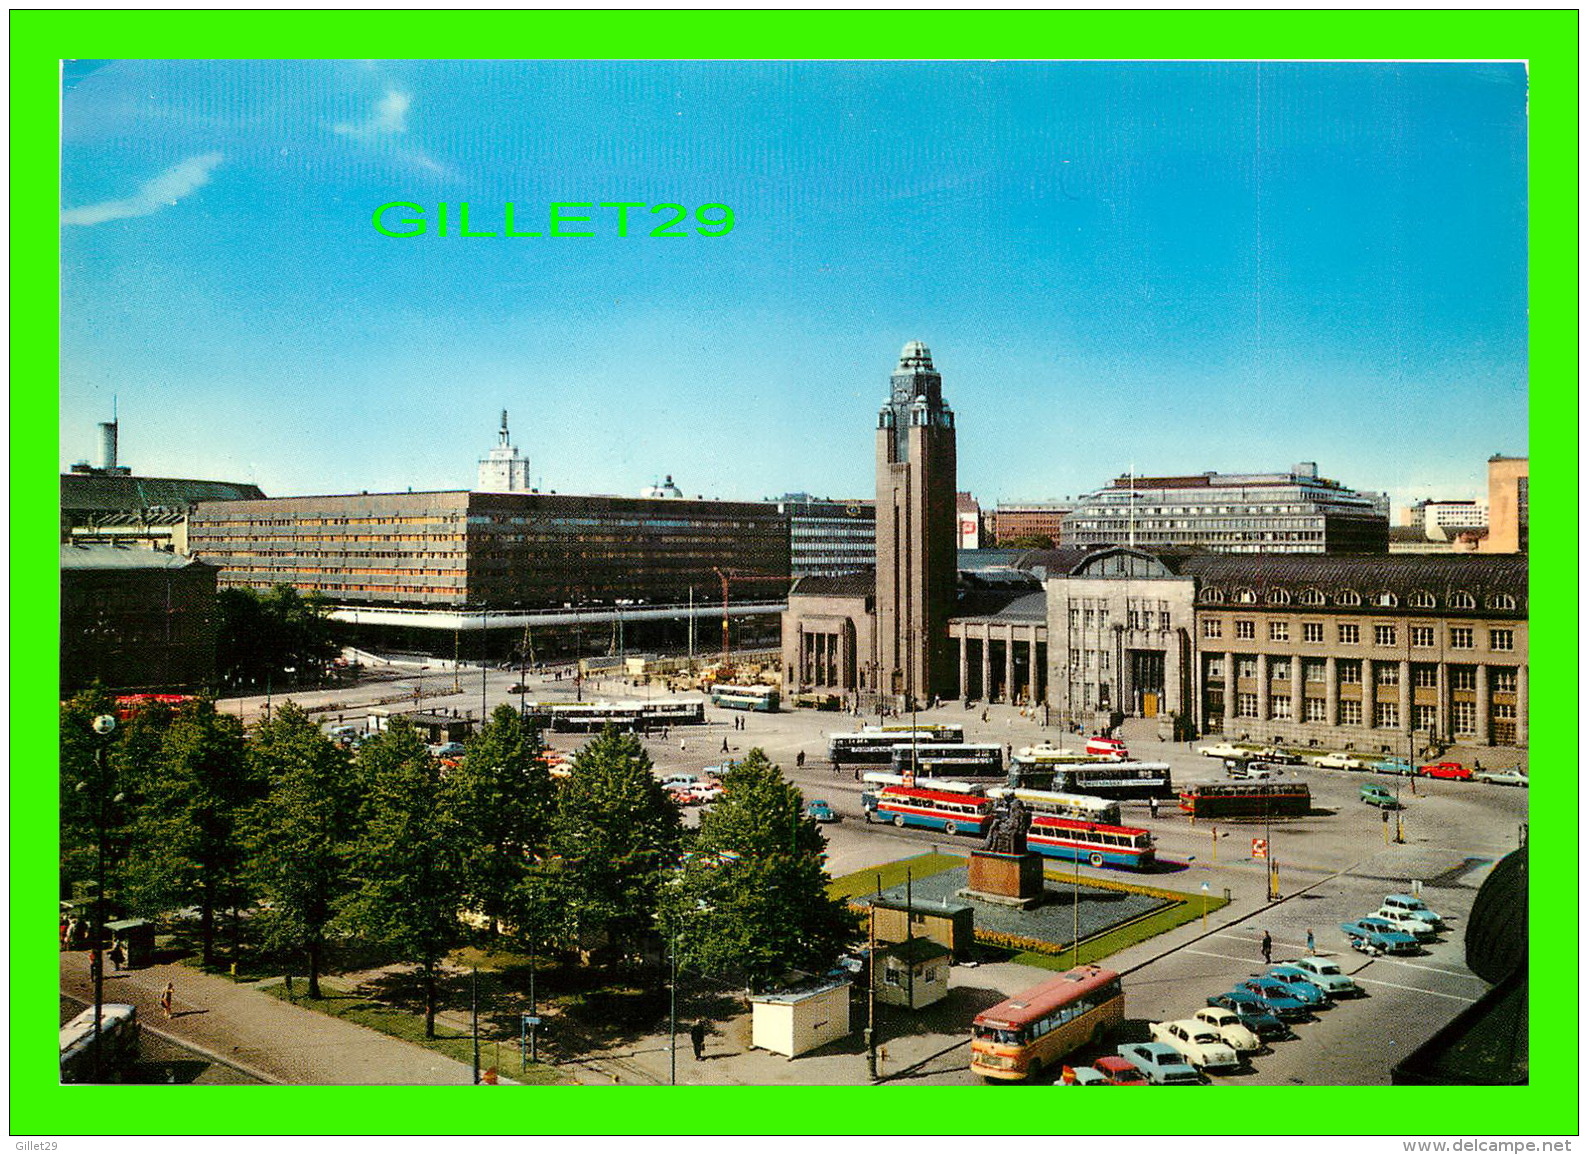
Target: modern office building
1507,506
136,619
1295,512
1441,520
827,537
455,549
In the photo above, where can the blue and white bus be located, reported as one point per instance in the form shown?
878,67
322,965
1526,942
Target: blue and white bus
1100,844
948,811
762,699
949,759
1104,779
872,747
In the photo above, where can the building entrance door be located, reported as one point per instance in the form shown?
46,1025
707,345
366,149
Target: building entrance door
1146,681
1149,705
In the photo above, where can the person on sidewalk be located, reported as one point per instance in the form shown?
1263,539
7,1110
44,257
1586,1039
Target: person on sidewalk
1312,945
697,1039
167,999
725,745
117,957
1268,949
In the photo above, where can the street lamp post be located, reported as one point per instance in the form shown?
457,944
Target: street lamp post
104,726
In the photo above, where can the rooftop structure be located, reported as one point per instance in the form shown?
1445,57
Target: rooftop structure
504,469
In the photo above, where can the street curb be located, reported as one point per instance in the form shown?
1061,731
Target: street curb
245,1068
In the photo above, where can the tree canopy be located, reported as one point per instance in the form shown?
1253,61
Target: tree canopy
262,637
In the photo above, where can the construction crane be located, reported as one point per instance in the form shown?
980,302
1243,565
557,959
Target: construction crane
727,577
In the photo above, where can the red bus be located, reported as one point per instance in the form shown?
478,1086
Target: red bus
127,705
1022,1036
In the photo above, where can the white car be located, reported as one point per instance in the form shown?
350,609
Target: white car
1329,977
1230,1028
1200,1044
1342,762
1224,750
1407,921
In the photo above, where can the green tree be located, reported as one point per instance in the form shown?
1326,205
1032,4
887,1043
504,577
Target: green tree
500,796
752,901
615,831
1027,541
261,637
299,835
409,889
186,847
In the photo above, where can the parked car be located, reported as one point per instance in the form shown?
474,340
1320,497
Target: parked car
1160,1063
1301,985
1500,777
818,810
1083,1077
446,750
1253,1014
1107,748
1201,1045
1410,902
1381,796
1235,768
680,780
1381,938
1224,750
1452,770
1277,754
1281,1000
1328,975
705,792
1392,766
1409,921
1230,1028
1119,1072
1342,762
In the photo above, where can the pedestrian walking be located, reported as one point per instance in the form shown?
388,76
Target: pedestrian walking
117,957
799,759
725,745
66,931
1268,949
697,1038
1152,806
1312,944
167,997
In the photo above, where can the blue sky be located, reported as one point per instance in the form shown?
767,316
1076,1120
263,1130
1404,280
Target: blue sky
1179,267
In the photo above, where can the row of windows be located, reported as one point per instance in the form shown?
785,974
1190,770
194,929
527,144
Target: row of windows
1350,634
1384,599
1386,715
1348,672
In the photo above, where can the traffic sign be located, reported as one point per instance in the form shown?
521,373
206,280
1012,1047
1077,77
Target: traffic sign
532,1020
1259,848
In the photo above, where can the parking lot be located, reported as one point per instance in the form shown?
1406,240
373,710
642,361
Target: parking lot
1334,865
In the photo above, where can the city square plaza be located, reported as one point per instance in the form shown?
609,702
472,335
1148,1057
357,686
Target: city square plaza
1335,864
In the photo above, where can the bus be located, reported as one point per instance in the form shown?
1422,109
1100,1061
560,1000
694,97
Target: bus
119,1024
961,759
762,699
810,700
1104,779
872,747
945,810
882,778
1099,843
128,705
1084,806
674,712
940,731
1248,799
1024,1035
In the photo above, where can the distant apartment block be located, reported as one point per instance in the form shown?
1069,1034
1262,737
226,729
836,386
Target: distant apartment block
1030,519
1507,506
828,538
968,511
1294,512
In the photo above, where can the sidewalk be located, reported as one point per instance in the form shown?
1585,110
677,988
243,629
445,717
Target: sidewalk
262,1035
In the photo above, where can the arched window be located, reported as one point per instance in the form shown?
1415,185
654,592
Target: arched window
1421,600
1245,598
1501,602
1347,598
1385,600
1311,597
1462,600
1279,597
1213,595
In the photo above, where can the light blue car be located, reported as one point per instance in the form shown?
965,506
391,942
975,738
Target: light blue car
1160,1062
1328,975
1382,938
1299,983
1393,766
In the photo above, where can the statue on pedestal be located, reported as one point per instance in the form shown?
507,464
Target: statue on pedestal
1007,833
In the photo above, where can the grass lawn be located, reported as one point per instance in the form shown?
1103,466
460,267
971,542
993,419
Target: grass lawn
864,882
411,1028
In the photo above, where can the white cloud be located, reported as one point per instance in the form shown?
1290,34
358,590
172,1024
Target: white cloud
389,117
169,187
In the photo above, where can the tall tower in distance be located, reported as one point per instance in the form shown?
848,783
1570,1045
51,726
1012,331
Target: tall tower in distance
503,469
917,563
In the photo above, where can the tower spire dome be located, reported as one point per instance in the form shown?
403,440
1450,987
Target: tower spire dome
915,356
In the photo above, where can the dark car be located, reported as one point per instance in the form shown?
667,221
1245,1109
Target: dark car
1281,1001
1253,1014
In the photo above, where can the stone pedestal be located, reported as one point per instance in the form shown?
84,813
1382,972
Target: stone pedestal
1014,879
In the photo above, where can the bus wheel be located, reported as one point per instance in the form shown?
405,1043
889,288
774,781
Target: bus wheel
1096,859
898,820
950,828
1033,1070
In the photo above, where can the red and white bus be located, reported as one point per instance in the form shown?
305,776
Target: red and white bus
1022,1036
1074,839
951,812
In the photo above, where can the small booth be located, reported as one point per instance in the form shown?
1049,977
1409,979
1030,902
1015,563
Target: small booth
793,1022
953,924
913,973
135,936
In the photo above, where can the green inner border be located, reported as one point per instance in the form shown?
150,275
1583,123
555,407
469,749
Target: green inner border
1547,40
